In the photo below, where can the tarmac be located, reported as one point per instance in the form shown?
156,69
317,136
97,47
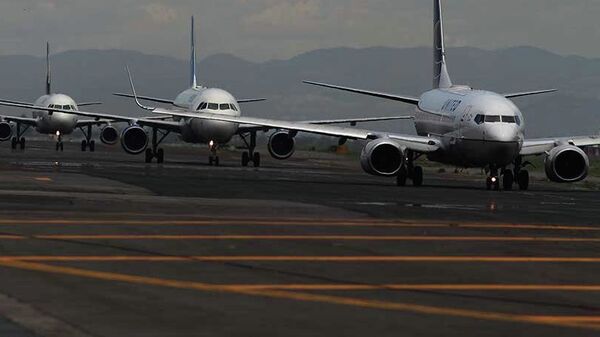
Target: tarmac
102,244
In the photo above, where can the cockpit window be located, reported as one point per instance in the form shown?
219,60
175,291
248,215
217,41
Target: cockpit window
202,106
213,106
492,119
478,119
234,107
509,119
224,107
66,107
518,120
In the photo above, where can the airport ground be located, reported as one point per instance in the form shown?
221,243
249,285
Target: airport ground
101,244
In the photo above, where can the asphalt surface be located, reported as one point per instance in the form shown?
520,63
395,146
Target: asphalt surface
101,244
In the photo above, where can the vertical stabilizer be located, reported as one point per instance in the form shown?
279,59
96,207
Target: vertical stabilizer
441,79
48,79
193,82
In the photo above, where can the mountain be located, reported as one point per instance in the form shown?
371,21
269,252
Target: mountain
96,74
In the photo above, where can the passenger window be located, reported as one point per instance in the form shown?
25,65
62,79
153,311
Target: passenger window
492,119
213,106
479,119
509,119
224,106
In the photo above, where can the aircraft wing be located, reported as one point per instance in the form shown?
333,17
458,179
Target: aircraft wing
86,122
250,100
354,121
529,93
98,117
539,146
22,120
405,99
146,98
415,143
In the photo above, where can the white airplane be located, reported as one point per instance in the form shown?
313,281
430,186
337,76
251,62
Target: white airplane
54,123
214,133
456,125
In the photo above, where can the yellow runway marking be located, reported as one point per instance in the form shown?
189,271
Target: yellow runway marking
306,297
11,237
340,259
314,237
299,223
44,179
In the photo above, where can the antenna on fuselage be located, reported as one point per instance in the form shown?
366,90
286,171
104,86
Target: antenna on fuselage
193,82
48,79
441,79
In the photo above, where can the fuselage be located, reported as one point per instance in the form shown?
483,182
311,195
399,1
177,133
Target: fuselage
477,128
207,100
51,123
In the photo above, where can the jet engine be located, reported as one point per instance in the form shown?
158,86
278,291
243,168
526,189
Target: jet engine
109,135
382,157
134,140
5,131
567,164
281,145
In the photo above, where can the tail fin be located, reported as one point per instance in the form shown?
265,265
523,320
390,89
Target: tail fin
193,82
441,79
48,79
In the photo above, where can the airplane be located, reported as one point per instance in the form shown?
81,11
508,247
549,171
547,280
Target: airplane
455,125
54,123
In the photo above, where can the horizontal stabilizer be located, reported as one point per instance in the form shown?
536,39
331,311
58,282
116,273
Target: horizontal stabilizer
405,99
529,93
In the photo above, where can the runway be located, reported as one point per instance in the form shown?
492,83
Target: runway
101,244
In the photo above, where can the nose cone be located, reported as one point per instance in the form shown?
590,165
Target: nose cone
501,132
63,122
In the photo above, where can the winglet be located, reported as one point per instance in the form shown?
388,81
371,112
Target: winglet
137,101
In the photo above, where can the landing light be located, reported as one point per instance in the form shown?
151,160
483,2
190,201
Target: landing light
494,179
58,133
211,143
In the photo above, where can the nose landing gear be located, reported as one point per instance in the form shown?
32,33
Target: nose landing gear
60,146
518,175
213,158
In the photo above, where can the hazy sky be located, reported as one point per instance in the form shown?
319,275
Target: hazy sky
267,29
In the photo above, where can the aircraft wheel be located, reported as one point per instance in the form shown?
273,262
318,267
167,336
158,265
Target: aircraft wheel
217,161
489,183
92,146
523,180
83,145
402,176
62,146
508,180
149,156
211,161
22,143
256,159
160,156
13,143
245,159
418,176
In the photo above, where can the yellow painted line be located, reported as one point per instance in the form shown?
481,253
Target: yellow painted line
315,238
11,237
298,223
43,179
424,287
304,297
340,259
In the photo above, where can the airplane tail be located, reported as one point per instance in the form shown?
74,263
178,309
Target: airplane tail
48,78
441,79
193,81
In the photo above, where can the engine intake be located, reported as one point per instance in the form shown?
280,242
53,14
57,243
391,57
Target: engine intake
109,135
281,145
567,164
382,157
5,131
134,140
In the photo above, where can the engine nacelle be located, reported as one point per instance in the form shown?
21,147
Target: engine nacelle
281,145
567,164
6,131
382,157
134,140
109,135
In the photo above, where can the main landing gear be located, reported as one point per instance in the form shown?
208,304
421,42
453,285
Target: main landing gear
410,171
250,155
87,142
213,158
19,141
155,151
518,175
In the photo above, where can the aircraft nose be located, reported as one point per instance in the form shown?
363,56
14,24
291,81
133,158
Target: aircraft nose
502,133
